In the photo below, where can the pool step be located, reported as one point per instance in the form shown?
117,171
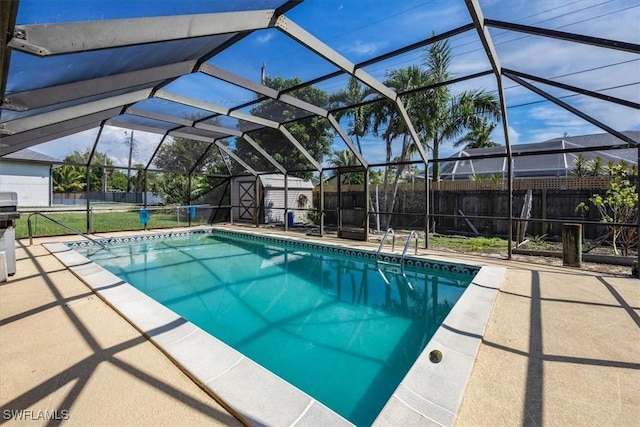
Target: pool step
397,272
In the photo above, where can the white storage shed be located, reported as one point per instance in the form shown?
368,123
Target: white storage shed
271,198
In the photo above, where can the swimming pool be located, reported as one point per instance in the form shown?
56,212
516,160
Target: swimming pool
260,398
327,323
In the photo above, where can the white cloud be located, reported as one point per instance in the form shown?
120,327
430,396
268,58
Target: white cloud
514,135
264,38
359,47
113,142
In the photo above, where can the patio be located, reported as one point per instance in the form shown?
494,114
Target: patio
560,349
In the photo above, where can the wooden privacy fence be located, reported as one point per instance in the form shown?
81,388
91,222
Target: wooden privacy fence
552,198
545,183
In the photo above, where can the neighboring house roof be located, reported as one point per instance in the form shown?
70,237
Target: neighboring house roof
27,155
560,164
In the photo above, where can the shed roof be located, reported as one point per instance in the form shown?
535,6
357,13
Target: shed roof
277,181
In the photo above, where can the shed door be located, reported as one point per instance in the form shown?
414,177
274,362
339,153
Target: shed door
247,200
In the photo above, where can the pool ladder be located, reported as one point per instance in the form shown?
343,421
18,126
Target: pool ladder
402,258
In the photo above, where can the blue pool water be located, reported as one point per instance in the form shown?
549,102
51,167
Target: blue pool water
326,323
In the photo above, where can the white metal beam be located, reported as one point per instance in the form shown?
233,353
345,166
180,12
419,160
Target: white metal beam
186,135
244,136
58,38
412,131
311,42
218,129
234,79
347,140
36,98
11,143
305,38
300,148
70,113
203,105
238,115
264,153
485,37
159,116
135,126
231,154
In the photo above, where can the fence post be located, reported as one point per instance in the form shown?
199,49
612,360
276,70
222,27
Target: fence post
572,245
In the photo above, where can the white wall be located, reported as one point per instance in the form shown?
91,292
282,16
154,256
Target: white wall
274,203
31,181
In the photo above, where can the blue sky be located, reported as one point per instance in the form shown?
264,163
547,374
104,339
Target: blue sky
363,29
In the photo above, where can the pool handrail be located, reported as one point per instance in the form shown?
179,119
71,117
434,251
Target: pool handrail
382,242
406,248
384,239
55,221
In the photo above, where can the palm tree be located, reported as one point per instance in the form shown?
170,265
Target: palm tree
478,136
344,158
436,114
580,166
597,166
445,116
68,178
359,116
402,80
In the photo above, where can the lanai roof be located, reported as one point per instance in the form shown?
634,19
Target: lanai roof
193,69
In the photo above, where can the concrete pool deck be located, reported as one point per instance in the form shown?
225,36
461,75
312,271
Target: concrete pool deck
561,348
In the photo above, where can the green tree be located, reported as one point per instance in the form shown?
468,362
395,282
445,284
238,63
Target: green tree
174,188
69,178
315,133
438,116
178,158
117,181
478,136
137,181
359,116
97,169
386,116
580,166
180,155
597,167
345,158
618,205
200,186
444,116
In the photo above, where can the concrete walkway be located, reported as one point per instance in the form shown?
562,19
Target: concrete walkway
64,349
562,348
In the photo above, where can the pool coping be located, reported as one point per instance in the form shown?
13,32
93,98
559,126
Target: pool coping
232,379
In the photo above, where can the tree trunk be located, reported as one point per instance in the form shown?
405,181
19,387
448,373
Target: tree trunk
396,180
385,179
436,163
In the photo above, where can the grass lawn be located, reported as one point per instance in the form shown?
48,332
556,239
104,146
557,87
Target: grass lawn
102,222
120,221
469,244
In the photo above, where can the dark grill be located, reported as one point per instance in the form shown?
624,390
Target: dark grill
8,215
8,209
